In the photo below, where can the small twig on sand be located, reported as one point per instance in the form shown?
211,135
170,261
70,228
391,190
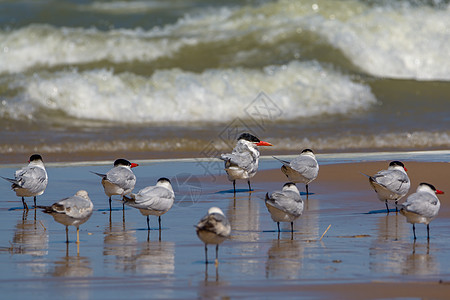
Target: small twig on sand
324,232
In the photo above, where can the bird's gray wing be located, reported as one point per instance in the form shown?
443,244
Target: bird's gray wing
393,180
121,177
287,201
75,207
32,178
305,165
154,197
242,160
424,204
284,162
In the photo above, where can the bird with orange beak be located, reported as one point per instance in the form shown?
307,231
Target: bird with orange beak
242,162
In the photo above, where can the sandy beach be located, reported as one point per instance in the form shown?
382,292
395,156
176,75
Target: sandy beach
364,254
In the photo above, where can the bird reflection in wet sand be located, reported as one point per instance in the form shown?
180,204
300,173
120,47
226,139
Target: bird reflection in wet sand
30,237
120,243
420,262
213,228
284,259
156,257
72,211
72,266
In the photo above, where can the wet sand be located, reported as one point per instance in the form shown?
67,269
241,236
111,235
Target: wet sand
364,254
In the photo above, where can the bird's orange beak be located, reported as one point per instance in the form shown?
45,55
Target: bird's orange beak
439,192
134,165
262,143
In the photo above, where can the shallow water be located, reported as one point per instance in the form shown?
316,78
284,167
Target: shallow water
118,258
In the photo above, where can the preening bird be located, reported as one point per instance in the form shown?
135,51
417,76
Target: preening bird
422,206
120,180
302,169
242,162
213,228
72,211
30,181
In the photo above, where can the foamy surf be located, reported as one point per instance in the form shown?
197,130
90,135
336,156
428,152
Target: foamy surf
176,96
394,40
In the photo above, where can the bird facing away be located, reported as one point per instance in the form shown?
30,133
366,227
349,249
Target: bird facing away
285,205
153,200
213,228
391,184
120,180
242,163
422,206
30,181
302,169
72,211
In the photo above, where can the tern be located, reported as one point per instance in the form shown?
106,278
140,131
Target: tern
153,200
302,169
72,211
120,180
285,205
30,181
242,163
391,184
422,206
213,228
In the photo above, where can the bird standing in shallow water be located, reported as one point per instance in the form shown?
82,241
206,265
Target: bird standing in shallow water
213,228
72,211
120,180
153,200
421,206
391,184
285,205
31,180
242,162
302,169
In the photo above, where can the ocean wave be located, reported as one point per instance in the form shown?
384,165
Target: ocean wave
196,147
176,96
395,40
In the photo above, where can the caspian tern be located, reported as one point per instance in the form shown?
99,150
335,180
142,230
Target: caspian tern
285,205
120,180
302,169
72,211
31,180
391,184
153,200
213,228
422,206
242,163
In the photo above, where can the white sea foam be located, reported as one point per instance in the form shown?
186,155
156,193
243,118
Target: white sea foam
297,90
387,40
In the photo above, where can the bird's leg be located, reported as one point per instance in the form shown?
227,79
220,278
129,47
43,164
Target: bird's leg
396,209
428,231
414,231
67,234
159,222
206,254
234,186
78,235
148,223
110,203
387,207
34,198
217,255
292,230
307,190
249,187
25,206
278,225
